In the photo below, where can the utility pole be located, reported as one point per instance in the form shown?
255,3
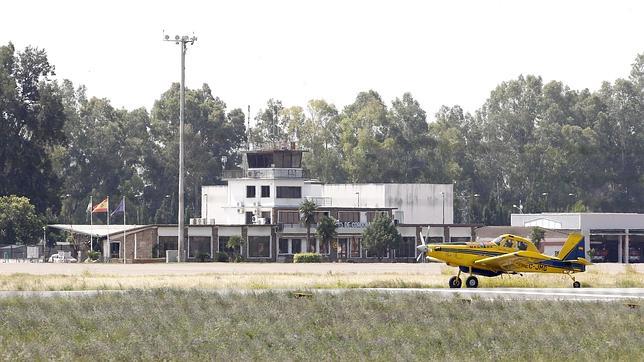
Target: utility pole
182,41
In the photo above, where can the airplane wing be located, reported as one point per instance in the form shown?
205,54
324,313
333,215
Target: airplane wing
512,260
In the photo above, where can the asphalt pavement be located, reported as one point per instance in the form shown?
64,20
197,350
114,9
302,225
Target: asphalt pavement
585,294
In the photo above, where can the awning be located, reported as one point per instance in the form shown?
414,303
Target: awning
97,230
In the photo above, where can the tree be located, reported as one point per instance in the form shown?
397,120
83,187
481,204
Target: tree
537,235
234,243
31,119
270,129
327,231
320,135
210,132
19,223
380,236
307,217
364,139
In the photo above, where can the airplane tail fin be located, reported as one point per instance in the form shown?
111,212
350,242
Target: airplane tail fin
574,248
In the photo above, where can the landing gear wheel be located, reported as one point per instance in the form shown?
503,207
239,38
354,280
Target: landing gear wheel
576,285
454,282
471,282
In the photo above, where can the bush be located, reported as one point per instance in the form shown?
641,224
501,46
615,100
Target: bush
221,256
93,255
307,258
239,258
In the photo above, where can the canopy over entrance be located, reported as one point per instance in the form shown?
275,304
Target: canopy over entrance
97,230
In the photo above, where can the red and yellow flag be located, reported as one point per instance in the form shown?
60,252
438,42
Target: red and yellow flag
102,207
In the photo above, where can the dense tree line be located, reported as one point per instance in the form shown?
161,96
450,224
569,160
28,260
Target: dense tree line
545,147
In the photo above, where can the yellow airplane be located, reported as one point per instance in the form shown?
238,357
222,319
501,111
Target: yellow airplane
507,254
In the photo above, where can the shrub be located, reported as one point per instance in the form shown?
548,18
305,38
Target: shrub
307,258
221,256
93,255
239,258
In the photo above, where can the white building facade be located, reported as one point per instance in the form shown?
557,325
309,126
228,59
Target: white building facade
260,203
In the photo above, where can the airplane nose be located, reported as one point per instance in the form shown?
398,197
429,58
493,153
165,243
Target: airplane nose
422,248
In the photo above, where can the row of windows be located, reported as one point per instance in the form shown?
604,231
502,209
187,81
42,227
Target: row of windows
282,192
259,246
293,217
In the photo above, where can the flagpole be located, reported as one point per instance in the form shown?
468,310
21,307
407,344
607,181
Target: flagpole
91,224
108,227
124,256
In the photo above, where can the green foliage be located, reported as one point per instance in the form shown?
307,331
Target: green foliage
537,235
307,258
19,223
372,326
307,216
326,229
552,147
234,242
381,235
31,120
93,255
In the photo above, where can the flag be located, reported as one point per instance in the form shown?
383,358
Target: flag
89,207
102,207
120,208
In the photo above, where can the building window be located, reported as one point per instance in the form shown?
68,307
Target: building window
250,191
371,215
319,215
283,246
290,246
355,248
342,247
259,246
407,248
288,217
166,243
266,191
288,192
199,245
349,216
266,215
296,246
464,239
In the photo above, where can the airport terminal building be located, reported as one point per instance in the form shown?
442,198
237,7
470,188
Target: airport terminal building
260,203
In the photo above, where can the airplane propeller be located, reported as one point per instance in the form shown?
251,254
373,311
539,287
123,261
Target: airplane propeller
422,249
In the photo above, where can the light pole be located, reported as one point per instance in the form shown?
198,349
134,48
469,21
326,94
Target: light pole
183,42
443,197
519,207
358,193
545,194
44,241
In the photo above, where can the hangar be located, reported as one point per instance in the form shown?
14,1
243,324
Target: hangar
610,237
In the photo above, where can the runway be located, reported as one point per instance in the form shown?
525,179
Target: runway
561,294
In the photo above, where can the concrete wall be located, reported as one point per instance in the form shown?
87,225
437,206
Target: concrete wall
419,203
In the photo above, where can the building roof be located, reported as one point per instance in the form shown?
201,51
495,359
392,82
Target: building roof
97,230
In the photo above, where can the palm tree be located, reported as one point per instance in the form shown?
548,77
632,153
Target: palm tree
327,231
307,217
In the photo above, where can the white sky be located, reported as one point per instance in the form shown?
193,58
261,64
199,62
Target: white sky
444,53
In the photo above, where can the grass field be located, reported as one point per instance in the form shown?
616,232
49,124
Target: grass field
184,324
265,276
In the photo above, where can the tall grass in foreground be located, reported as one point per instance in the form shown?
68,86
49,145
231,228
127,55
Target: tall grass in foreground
181,324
